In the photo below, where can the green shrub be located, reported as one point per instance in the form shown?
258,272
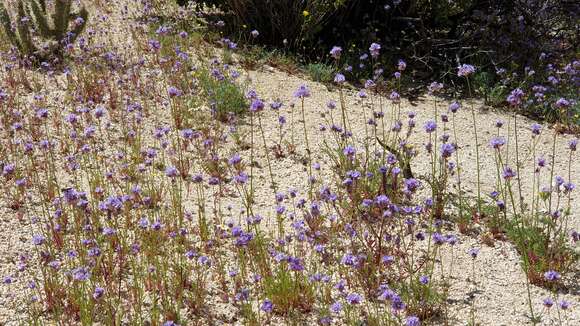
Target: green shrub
224,95
320,72
541,251
288,292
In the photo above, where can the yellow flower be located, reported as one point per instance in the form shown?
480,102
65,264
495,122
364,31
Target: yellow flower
305,13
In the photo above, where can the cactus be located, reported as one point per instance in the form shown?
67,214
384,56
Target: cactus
33,13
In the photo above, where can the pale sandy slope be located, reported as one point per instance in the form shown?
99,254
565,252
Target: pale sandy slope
501,296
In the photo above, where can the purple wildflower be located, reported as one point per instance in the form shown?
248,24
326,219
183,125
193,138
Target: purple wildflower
302,92
98,293
339,78
267,306
374,49
435,87
564,305
562,103
465,70
395,97
536,129
412,321
446,150
336,307
548,302
171,171
551,276
335,52
515,97
573,144
257,105
497,142
508,173
353,298
174,91
454,107
402,65
473,252
430,126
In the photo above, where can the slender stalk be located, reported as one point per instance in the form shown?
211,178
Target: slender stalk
518,163
476,152
308,152
266,154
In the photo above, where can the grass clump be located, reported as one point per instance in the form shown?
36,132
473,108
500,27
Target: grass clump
221,91
320,72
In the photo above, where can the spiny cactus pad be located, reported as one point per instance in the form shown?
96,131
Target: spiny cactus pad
35,27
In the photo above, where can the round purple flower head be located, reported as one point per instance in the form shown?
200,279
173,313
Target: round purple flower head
397,303
257,106
451,239
508,173
42,113
473,252
353,298
395,97
98,293
562,103
331,105
375,49
171,172
349,151
336,307
548,302
251,94
435,87
255,33
552,276
499,123
465,70
573,144
446,150
276,105
430,126
154,45
241,178
302,92
516,96
38,240
402,65
267,306
174,91
235,159
536,129
412,321
339,78
81,274
335,52
497,142
564,305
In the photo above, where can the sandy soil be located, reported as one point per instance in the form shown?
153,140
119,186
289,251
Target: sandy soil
500,296
501,291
